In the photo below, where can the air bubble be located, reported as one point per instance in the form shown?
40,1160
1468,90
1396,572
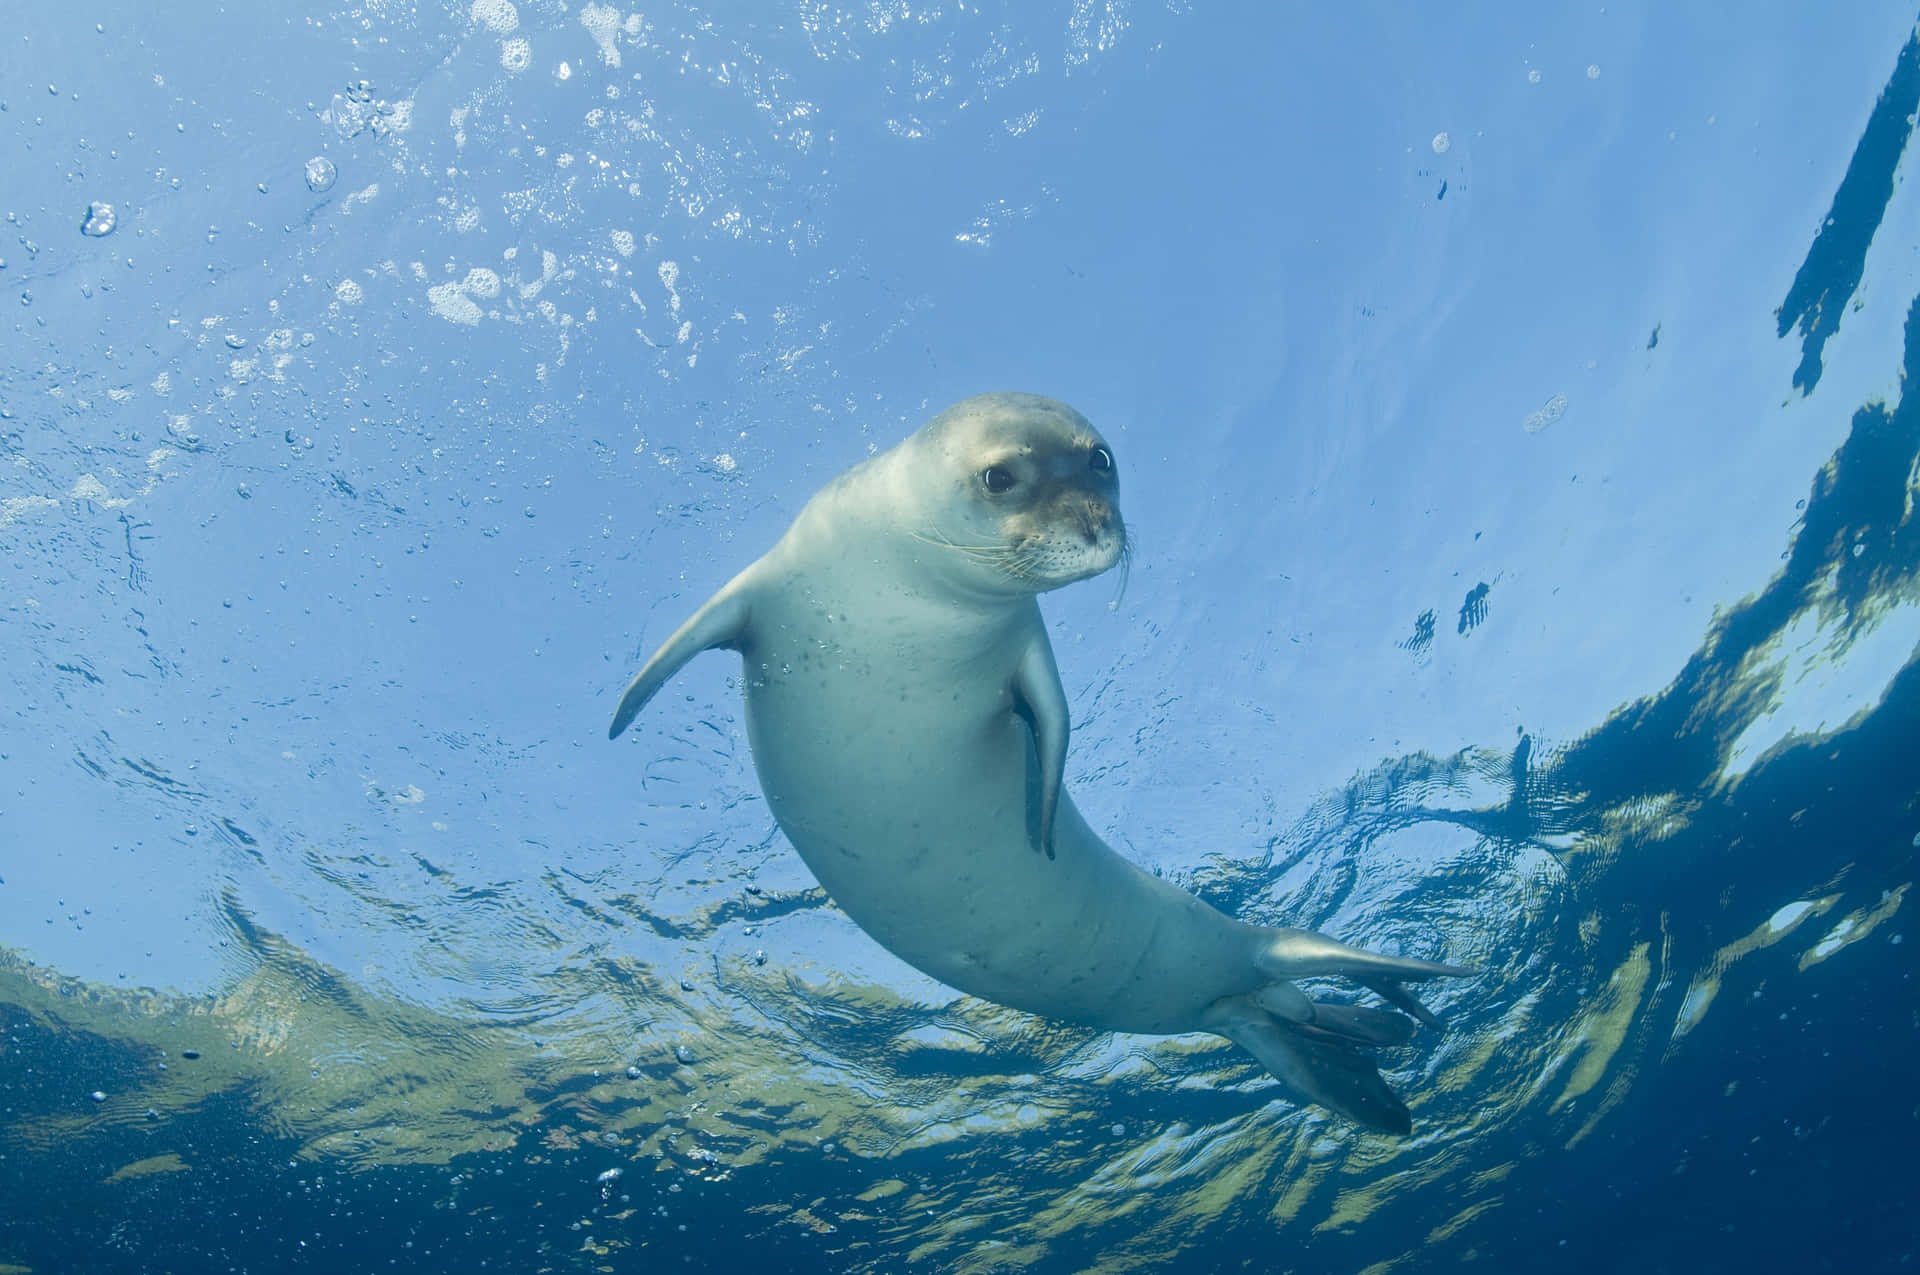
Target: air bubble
99,221
1441,143
321,174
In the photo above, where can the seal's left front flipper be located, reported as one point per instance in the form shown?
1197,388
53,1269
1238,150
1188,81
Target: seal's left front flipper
720,623
1039,698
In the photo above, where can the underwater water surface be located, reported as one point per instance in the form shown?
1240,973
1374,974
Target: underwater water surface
1514,421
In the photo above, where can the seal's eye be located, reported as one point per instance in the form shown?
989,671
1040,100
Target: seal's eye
1101,462
998,479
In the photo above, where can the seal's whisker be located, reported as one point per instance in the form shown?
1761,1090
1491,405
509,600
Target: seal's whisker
947,542
1126,568
1016,561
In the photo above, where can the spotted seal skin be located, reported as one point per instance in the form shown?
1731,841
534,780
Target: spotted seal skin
910,733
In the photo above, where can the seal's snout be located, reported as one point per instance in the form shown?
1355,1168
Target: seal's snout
1096,518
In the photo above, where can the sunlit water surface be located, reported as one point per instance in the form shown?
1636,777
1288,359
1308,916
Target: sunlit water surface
1514,423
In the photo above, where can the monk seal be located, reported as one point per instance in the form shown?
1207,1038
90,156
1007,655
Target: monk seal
910,732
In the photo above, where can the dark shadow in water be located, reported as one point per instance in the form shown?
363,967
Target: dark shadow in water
1473,608
1838,259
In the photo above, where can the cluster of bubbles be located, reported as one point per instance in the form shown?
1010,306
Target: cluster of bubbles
99,220
1550,411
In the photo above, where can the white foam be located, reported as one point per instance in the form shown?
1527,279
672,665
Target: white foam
87,487
516,55
496,15
14,508
1550,411
603,24
451,302
482,282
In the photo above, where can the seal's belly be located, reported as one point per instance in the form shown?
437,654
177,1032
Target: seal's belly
910,800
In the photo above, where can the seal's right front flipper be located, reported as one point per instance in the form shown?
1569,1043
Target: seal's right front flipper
720,623
1042,701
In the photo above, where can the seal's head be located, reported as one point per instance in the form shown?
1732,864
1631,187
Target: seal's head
1027,492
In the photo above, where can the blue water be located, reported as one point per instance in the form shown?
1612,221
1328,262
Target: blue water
1513,417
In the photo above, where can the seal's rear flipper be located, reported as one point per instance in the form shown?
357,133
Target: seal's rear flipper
1390,991
1315,1064
1290,954
721,622
1359,1025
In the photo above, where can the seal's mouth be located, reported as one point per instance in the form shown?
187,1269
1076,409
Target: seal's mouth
1073,549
